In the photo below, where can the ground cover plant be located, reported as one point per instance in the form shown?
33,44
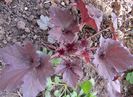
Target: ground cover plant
75,38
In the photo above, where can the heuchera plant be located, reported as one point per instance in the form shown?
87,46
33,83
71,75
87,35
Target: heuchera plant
25,68
28,68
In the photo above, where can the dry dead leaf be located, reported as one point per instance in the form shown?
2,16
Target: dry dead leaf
116,7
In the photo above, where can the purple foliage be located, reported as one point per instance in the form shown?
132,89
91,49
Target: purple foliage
24,67
113,89
71,71
112,58
65,25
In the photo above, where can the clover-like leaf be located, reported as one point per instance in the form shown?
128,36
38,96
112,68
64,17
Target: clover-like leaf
129,77
86,86
57,93
74,94
57,79
56,61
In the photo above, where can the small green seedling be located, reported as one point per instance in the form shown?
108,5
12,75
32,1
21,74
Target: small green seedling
129,77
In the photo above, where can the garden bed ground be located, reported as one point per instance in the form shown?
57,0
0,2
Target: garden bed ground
18,23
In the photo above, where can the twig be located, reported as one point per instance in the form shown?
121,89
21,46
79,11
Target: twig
98,33
19,94
49,46
47,2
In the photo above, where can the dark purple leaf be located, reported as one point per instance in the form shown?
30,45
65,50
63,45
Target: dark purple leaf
86,56
71,71
83,43
85,15
112,58
11,79
32,86
25,67
71,47
96,14
64,19
66,49
65,25
63,37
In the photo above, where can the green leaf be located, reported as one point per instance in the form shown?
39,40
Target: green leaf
49,84
57,93
68,96
50,53
93,94
81,93
49,81
56,61
129,77
44,50
47,94
74,94
86,86
57,79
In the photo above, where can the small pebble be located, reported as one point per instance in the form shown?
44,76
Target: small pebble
21,25
19,43
31,17
27,30
2,32
1,21
35,37
1,37
63,3
47,5
4,41
9,38
23,36
26,8
14,40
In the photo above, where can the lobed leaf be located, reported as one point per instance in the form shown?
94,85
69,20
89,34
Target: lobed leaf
65,25
25,67
85,15
96,14
113,89
71,71
112,58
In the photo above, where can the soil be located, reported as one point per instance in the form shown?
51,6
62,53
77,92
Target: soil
18,22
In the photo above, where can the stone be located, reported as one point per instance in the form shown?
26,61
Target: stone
21,25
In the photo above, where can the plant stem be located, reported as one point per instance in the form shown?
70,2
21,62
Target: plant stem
19,94
98,33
